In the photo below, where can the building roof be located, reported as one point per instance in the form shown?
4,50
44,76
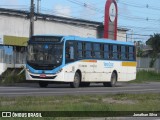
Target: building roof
48,17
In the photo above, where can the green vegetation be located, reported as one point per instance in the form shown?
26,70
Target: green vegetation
118,102
147,76
154,42
11,76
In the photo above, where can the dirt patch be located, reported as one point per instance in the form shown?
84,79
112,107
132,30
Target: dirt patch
4,103
111,101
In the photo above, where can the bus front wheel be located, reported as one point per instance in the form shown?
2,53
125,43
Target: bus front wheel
85,84
43,84
113,81
76,82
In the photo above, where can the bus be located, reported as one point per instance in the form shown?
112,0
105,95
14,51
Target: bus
79,61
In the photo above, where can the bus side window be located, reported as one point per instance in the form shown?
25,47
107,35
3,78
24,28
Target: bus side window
80,50
88,50
127,53
110,52
115,52
106,51
123,52
71,52
119,52
97,51
131,53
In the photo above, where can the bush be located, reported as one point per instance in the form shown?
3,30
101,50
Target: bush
146,76
11,76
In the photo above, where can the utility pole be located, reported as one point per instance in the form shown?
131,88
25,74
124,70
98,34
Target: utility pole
38,6
32,18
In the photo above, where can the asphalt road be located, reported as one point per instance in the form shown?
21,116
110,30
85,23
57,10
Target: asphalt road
32,89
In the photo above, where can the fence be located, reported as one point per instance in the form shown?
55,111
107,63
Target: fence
14,58
143,63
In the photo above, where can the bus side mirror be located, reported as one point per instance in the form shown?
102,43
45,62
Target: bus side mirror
71,53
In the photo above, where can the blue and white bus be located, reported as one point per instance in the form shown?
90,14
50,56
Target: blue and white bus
79,61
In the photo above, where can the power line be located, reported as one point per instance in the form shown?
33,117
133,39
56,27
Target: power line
87,5
140,6
100,11
77,18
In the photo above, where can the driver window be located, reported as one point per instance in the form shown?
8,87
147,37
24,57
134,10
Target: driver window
69,51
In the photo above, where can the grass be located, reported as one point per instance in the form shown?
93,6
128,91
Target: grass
119,102
147,76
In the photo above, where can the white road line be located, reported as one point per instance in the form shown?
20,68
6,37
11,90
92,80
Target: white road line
50,92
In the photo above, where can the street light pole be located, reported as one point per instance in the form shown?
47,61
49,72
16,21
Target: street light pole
32,18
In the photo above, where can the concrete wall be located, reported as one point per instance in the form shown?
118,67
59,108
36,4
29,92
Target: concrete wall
19,26
143,63
63,29
16,26
121,36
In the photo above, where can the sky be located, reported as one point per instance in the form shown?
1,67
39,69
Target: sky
141,17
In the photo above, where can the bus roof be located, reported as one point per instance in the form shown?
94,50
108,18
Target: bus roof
97,40
89,39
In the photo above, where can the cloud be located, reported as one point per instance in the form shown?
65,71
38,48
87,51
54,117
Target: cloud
62,10
123,9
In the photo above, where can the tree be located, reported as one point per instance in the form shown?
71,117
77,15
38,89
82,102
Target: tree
154,42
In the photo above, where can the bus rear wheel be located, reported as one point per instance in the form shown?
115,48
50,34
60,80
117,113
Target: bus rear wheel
43,84
76,82
113,81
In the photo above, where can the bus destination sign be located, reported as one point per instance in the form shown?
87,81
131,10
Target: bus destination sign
46,39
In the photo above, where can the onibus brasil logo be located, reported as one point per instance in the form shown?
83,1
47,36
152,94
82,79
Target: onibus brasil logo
20,115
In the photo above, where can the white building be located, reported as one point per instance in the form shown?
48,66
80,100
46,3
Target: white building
14,31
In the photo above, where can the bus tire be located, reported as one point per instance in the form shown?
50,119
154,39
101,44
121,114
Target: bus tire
43,84
113,81
85,84
76,82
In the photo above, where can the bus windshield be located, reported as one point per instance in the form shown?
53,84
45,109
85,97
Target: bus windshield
44,56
